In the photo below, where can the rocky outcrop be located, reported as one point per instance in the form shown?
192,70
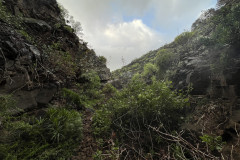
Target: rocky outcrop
211,69
207,60
38,51
46,10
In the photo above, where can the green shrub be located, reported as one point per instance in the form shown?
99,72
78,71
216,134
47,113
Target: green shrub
68,28
109,91
227,25
7,17
7,105
184,37
50,137
6,102
3,12
62,124
206,41
149,70
133,110
26,35
73,99
87,94
62,62
164,60
102,123
57,25
214,142
102,59
92,80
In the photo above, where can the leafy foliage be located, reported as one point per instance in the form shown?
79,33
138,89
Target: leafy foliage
7,17
227,25
214,143
102,59
133,110
149,70
87,93
50,137
164,60
62,124
75,26
73,99
92,80
62,62
7,104
184,37
68,28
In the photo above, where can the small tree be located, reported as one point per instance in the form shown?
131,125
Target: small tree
102,59
164,60
70,20
149,70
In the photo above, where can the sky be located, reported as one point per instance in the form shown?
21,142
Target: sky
123,30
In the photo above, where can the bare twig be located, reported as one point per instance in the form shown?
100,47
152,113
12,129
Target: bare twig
185,143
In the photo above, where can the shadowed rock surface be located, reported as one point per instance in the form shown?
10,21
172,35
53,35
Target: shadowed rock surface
27,71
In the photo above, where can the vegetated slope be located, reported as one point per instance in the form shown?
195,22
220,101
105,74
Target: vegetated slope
207,53
50,87
40,52
206,59
40,55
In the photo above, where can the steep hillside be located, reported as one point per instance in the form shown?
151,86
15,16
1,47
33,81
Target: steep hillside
204,62
40,53
208,53
55,102
40,57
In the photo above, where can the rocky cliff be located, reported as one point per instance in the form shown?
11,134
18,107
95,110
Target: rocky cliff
40,53
207,60
205,57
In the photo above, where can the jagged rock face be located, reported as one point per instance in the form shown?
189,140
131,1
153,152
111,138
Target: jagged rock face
207,80
17,59
212,69
26,70
46,10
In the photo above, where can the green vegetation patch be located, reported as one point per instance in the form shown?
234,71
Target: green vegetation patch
7,17
184,38
227,29
164,61
52,136
134,110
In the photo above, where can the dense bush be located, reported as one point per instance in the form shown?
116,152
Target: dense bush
87,92
164,60
68,28
75,26
52,136
132,111
102,59
7,104
149,70
227,23
62,62
184,38
73,99
62,124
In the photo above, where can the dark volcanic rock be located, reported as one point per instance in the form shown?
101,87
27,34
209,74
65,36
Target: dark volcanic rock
46,10
26,68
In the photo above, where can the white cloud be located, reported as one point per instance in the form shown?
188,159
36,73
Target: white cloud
107,31
126,40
